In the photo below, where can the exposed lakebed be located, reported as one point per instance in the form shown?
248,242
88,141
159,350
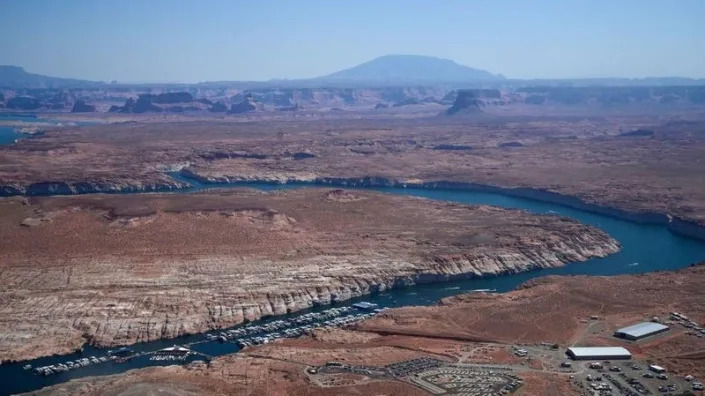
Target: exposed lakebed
645,248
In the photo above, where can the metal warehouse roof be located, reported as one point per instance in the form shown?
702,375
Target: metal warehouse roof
599,351
642,329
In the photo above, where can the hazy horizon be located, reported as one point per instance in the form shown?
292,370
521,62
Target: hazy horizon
175,41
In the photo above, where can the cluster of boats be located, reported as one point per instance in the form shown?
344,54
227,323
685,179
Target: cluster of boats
297,331
292,327
264,333
245,336
70,365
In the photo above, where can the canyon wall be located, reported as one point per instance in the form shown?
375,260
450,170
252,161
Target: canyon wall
674,224
114,270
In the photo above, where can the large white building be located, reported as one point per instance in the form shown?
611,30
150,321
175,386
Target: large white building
640,330
598,353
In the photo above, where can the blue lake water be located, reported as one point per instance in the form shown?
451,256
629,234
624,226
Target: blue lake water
8,135
644,248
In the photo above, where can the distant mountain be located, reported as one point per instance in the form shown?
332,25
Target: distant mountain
17,77
411,69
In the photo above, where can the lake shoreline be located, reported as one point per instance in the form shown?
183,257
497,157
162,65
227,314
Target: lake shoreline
186,181
637,256
674,224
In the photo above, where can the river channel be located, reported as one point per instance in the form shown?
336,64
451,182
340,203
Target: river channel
645,248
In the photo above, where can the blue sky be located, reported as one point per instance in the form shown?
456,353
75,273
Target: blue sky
190,41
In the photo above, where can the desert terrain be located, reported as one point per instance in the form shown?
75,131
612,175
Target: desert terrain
648,165
411,205
564,310
120,269
582,310
117,269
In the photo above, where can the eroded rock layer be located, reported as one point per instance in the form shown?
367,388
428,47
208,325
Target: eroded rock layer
122,269
475,328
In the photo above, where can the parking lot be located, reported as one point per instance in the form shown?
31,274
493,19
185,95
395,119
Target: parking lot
628,378
618,377
435,376
467,381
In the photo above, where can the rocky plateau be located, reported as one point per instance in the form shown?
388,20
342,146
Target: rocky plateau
120,269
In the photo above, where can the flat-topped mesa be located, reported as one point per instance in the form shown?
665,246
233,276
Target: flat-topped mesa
248,104
149,266
82,107
466,102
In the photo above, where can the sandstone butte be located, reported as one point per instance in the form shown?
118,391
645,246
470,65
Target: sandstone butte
114,270
479,327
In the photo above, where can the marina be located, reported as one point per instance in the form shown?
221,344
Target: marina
244,336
